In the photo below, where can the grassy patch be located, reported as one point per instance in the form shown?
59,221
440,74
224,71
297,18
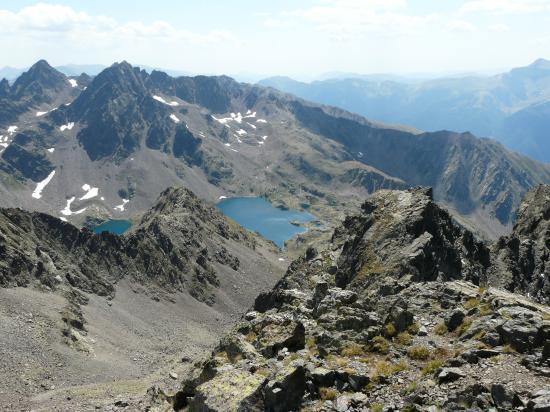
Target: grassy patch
440,329
403,338
472,303
464,326
376,407
389,330
431,366
327,394
413,328
352,349
380,344
418,352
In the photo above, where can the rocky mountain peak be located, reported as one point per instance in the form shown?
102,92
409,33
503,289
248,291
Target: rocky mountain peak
330,337
40,78
407,233
4,88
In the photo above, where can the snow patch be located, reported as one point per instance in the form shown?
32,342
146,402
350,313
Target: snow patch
51,149
73,82
64,219
264,138
222,197
261,121
160,99
227,144
174,118
91,192
120,207
12,129
38,114
68,212
251,125
249,115
37,194
235,150
67,126
241,132
281,260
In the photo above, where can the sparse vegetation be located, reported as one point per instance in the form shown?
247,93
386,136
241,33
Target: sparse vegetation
250,336
352,349
418,352
327,393
431,366
413,328
472,303
403,338
380,344
464,326
389,330
440,329
376,407
411,387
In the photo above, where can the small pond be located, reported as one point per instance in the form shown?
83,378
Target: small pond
257,214
113,226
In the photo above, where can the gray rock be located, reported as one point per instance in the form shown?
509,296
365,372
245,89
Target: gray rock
454,319
449,375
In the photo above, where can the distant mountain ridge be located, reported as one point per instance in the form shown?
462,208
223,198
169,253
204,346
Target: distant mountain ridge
509,107
128,133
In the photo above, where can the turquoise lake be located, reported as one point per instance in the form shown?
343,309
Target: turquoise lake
257,214
113,226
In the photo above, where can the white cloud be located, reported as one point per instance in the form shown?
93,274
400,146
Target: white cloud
505,6
344,19
63,20
499,28
461,26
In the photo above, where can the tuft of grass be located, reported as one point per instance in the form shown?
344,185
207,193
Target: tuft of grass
485,309
389,330
546,316
472,303
505,315
411,387
385,368
380,344
352,349
250,337
431,366
464,326
327,393
403,338
418,352
508,349
440,329
413,328
376,407
335,361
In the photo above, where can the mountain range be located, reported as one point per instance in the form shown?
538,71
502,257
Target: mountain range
421,285
101,147
511,107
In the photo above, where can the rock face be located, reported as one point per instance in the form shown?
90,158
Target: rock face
521,261
177,246
394,315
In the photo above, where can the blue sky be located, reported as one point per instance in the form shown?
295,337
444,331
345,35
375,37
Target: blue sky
302,39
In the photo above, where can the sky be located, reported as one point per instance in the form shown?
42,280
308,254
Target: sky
302,39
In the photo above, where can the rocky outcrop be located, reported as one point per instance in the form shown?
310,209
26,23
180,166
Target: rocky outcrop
178,245
394,315
521,260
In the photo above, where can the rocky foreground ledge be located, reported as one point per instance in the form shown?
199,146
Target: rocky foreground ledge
400,313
